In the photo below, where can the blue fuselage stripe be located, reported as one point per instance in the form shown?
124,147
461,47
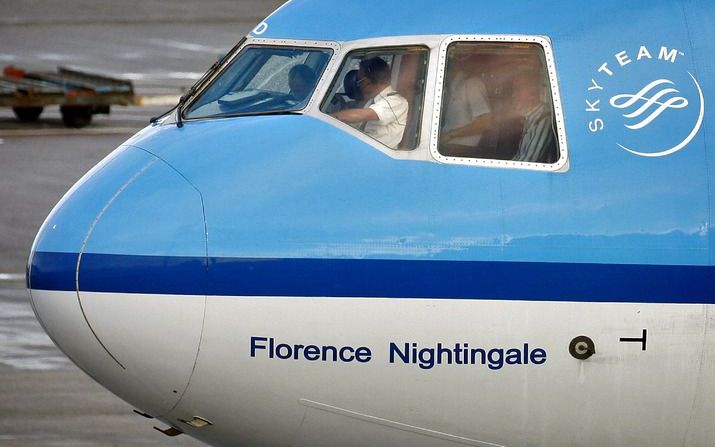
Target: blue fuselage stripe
376,278
53,271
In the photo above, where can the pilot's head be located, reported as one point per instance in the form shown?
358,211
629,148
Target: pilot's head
301,80
350,84
373,76
526,91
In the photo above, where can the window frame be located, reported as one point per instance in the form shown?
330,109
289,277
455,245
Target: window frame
432,41
275,43
561,165
422,116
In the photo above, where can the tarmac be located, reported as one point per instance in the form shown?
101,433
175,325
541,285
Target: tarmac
163,47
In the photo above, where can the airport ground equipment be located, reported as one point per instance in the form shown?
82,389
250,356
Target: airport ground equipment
80,95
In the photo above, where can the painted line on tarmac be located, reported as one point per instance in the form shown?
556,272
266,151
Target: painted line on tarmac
12,276
229,20
157,100
21,133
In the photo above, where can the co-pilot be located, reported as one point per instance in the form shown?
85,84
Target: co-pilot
385,114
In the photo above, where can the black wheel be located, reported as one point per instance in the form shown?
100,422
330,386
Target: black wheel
76,116
27,114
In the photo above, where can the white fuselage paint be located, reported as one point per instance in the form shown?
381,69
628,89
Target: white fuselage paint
153,341
621,396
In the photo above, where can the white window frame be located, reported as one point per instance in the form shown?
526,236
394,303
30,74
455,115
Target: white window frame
288,43
431,42
561,165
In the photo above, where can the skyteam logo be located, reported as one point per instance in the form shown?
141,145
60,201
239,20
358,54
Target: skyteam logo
646,104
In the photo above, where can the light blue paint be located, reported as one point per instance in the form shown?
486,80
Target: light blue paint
297,187
158,213
315,19
66,227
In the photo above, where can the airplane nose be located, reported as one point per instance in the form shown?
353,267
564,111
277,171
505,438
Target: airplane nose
117,277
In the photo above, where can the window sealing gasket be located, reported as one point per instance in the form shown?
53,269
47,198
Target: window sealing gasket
286,43
561,165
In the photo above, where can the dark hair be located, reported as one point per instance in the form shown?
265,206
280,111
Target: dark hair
376,70
350,84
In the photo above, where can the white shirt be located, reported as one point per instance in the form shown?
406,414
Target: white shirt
391,109
466,102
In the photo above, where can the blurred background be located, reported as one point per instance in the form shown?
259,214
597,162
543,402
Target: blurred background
162,47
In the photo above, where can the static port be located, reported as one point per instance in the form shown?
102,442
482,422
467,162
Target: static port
582,347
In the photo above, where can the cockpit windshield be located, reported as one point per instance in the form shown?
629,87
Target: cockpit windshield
262,79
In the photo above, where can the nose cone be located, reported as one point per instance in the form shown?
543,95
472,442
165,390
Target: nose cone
117,277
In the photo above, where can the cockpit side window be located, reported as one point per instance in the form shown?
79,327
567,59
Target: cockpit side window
262,79
498,106
380,92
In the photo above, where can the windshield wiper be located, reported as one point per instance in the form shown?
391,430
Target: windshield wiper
185,97
180,106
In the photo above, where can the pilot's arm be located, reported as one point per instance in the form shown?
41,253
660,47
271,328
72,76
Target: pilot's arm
356,115
476,127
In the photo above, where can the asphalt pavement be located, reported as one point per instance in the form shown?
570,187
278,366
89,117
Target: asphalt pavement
163,47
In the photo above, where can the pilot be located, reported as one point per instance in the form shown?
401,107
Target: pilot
353,93
467,112
351,98
301,80
537,143
385,114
